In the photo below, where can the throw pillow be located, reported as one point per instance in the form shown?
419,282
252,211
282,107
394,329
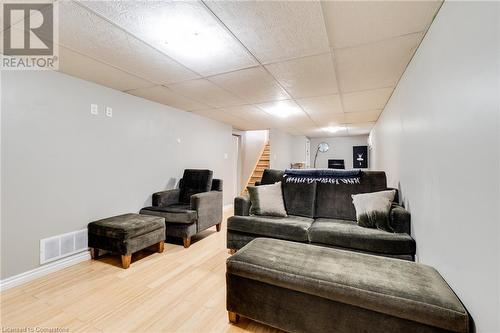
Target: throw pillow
372,209
267,200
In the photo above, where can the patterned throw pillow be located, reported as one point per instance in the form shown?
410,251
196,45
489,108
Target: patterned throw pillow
267,200
372,209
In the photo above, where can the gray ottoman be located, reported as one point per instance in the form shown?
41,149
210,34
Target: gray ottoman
305,288
126,234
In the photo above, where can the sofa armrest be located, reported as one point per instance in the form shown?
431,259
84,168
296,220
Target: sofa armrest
208,205
166,198
400,219
242,206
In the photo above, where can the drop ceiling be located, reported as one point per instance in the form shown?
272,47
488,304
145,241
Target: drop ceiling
306,67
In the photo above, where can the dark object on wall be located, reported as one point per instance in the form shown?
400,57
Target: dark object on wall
336,164
360,157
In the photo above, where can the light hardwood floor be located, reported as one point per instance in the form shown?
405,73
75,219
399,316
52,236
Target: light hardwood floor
179,290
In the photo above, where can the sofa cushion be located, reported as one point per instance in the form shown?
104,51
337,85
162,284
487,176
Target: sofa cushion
347,234
334,200
125,226
299,198
194,181
267,200
393,287
372,209
290,227
178,213
271,176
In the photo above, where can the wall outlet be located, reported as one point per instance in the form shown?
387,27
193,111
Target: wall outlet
109,112
226,156
94,109
178,140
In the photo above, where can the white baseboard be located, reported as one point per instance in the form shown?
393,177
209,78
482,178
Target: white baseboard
54,266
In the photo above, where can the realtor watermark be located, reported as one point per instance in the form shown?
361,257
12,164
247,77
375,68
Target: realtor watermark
30,35
28,329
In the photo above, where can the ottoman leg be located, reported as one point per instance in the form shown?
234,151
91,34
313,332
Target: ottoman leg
126,259
94,253
186,241
161,246
217,226
233,317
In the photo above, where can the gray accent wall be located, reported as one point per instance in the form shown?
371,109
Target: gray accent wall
438,140
63,167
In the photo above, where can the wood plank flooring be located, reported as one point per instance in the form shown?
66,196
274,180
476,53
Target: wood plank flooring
179,290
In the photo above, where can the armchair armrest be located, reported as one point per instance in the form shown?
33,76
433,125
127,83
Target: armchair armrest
242,206
209,208
400,219
166,198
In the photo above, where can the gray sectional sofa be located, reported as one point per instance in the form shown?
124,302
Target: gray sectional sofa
323,214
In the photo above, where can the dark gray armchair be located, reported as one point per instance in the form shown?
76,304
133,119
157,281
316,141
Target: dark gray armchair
195,206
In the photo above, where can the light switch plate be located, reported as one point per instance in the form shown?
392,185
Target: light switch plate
109,112
94,109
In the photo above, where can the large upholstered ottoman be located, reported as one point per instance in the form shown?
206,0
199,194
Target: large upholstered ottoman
306,288
126,234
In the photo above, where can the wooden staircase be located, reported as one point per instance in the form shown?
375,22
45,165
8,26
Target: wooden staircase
262,164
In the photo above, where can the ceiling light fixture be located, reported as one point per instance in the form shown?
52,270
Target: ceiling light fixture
182,36
333,129
281,109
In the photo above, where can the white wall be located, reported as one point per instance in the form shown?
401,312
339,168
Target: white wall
285,148
62,167
340,148
299,149
438,141
252,144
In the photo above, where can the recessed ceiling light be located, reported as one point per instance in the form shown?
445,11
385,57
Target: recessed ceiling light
181,33
281,109
333,129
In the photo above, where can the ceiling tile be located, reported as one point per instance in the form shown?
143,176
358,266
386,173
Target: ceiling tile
251,114
275,30
324,120
165,96
321,107
75,64
351,23
184,30
360,129
362,117
226,118
308,76
253,85
206,92
366,99
91,35
376,65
